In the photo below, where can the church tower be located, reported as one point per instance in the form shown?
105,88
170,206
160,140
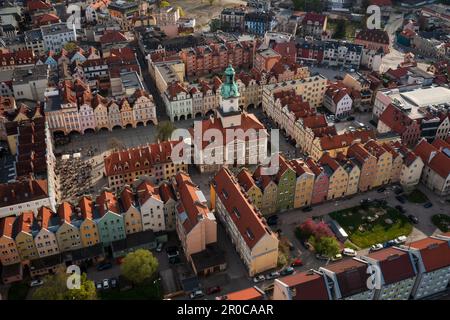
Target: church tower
229,111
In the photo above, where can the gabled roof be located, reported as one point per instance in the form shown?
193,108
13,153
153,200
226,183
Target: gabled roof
112,36
23,223
147,190
245,179
306,285
107,201
6,226
437,159
435,253
252,293
249,222
127,198
65,212
193,206
395,264
373,35
351,275
22,191
87,207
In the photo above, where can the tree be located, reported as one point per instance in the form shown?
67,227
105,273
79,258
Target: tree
70,46
55,288
340,31
211,2
87,290
164,130
164,4
139,265
326,245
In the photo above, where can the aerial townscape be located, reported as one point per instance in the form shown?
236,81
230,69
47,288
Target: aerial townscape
224,150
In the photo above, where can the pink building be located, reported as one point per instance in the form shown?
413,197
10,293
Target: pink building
320,189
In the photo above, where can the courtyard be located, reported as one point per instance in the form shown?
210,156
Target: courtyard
368,225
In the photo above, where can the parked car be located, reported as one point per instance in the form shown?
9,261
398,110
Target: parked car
259,278
105,284
381,190
196,294
400,240
389,244
287,271
272,220
413,219
400,209
113,283
36,283
305,244
307,209
213,290
349,252
104,266
351,118
159,247
401,199
272,275
337,257
98,285
376,247
172,252
297,263
322,257
427,205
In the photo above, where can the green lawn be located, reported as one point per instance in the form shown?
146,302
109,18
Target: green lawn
417,196
441,221
18,291
146,291
364,233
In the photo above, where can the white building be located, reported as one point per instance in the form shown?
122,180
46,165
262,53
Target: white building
55,36
338,101
151,207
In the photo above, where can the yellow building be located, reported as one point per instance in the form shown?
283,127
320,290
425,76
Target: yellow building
67,235
23,237
255,243
132,217
247,182
88,228
353,171
304,183
384,162
338,177
269,191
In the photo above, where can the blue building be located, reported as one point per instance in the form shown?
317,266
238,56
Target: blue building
259,22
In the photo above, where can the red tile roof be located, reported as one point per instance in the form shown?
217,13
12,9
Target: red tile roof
345,139
249,222
166,192
107,201
432,157
23,223
22,191
245,294
435,253
35,5
147,190
44,215
373,35
140,158
127,198
395,119
20,57
395,264
6,226
351,276
112,36
65,211
314,17
191,202
245,179
87,207
307,285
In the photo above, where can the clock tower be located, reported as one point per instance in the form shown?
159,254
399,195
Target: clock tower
229,111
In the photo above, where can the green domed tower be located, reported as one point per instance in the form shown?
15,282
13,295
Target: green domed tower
229,88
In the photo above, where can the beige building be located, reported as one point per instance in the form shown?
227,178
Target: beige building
8,250
46,223
337,175
67,235
269,191
247,182
384,162
304,184
88,228
196,225
255,243
166,72
24,238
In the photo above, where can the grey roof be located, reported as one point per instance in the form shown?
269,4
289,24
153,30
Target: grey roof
55,28
212,256
25,75
33,35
